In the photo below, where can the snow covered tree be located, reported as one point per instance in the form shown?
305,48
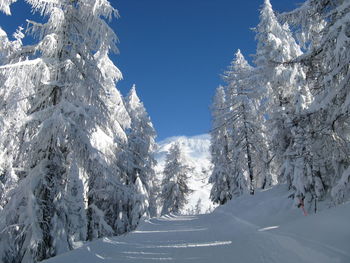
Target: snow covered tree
175,188
275,47
288,101
240,149
324,26
221,177
70,186
141,144
248,146
12,111
331,58
4,165
153,200
308,21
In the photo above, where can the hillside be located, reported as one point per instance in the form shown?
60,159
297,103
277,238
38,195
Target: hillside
251,229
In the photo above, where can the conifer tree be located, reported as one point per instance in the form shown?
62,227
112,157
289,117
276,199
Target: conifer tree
248,147
240,149
288,99
324,31
175,188
70,185
220,177
12,111
141,144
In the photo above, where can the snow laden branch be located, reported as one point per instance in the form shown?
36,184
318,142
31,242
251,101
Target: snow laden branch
5,6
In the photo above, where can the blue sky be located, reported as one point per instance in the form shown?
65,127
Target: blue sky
174,51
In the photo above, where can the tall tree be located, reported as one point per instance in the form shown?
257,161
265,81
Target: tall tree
12,110
175,188
70,186
220,178
325,27
288,101
249,147
142,146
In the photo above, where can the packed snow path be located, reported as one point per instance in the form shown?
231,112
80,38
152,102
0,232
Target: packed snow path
259,229
205,239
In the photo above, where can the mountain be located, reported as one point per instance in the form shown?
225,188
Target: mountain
196,153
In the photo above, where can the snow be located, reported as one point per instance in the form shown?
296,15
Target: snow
23,63
2,33
195,147
5,6
197,155
261,228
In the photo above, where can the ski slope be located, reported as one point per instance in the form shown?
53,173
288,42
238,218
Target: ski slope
258,229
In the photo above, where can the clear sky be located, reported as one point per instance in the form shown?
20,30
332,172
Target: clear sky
174,51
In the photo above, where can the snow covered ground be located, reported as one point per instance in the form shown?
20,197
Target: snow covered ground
197,155
251,229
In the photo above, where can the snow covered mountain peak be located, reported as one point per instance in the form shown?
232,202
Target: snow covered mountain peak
195,147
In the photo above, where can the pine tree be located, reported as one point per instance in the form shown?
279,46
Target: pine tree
220,177
153,200
325,27
332,58
197,208
4,166
12,111
248,145
70,186
175,188
141,144
289,98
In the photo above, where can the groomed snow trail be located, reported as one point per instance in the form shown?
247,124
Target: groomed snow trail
260,229
204,239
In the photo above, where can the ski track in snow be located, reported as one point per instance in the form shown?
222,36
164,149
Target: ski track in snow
228,236
166,240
